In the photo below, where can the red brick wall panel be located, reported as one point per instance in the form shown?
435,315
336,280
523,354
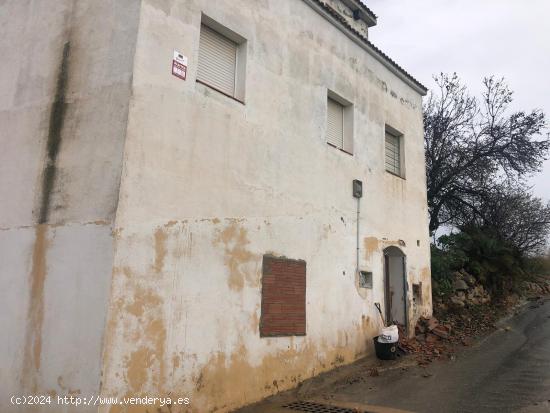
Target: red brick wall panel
283,297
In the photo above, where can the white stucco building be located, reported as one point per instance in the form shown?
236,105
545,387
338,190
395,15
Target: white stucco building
176,194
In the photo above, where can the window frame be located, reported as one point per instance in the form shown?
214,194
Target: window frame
394,133
347,122
240,58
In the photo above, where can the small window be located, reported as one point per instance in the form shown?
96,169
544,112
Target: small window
393,151
335,123
417,293
339,123
221,59
365,279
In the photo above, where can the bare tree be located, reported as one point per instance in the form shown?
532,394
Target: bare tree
473,147
514,215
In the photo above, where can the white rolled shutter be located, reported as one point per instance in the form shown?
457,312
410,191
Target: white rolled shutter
335,123
217,60
393,155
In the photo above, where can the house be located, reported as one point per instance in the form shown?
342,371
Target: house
201,198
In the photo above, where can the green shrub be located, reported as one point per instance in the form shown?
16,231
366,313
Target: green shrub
539,265
494,262
446,260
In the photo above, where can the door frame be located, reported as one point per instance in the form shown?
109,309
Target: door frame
387,296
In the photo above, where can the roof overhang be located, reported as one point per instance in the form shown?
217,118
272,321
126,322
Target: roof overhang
338,21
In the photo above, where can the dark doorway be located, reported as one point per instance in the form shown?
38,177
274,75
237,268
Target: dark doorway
395,286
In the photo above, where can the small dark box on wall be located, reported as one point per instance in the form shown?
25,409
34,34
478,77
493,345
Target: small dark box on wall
357,188
417,293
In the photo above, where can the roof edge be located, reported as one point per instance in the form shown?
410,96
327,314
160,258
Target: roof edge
362,41
364,12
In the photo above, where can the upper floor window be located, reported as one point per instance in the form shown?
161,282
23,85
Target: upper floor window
339,123
222,57
394,152
335,123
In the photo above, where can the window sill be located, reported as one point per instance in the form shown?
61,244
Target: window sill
397,176
340,149
274,335
219,91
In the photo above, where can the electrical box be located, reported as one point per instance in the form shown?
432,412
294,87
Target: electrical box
357,188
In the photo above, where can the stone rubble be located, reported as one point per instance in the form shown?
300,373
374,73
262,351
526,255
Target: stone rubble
540,286
467,313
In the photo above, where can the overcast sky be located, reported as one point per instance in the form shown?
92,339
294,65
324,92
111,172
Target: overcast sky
474,38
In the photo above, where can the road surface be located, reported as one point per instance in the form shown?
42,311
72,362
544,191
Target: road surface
507,371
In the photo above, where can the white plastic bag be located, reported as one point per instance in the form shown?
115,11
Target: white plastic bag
389,335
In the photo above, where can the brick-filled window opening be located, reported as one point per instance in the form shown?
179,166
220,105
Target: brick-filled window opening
283,297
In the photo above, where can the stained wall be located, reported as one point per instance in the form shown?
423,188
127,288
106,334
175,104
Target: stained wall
65,83
210,185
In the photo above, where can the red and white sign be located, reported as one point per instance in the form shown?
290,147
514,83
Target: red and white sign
179,65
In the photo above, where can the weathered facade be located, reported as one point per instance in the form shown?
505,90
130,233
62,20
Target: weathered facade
143,215
65,87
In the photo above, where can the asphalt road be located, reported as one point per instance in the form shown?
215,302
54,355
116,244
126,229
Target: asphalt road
508,371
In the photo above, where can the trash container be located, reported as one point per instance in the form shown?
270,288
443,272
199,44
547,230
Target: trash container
385,351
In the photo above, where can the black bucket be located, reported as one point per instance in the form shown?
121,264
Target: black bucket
385,351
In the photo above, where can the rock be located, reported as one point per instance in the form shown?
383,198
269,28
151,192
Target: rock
475,301
456,302
469,278
511,300
460,285
457,275
441,331
442,307
467,341
432,323
477,291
